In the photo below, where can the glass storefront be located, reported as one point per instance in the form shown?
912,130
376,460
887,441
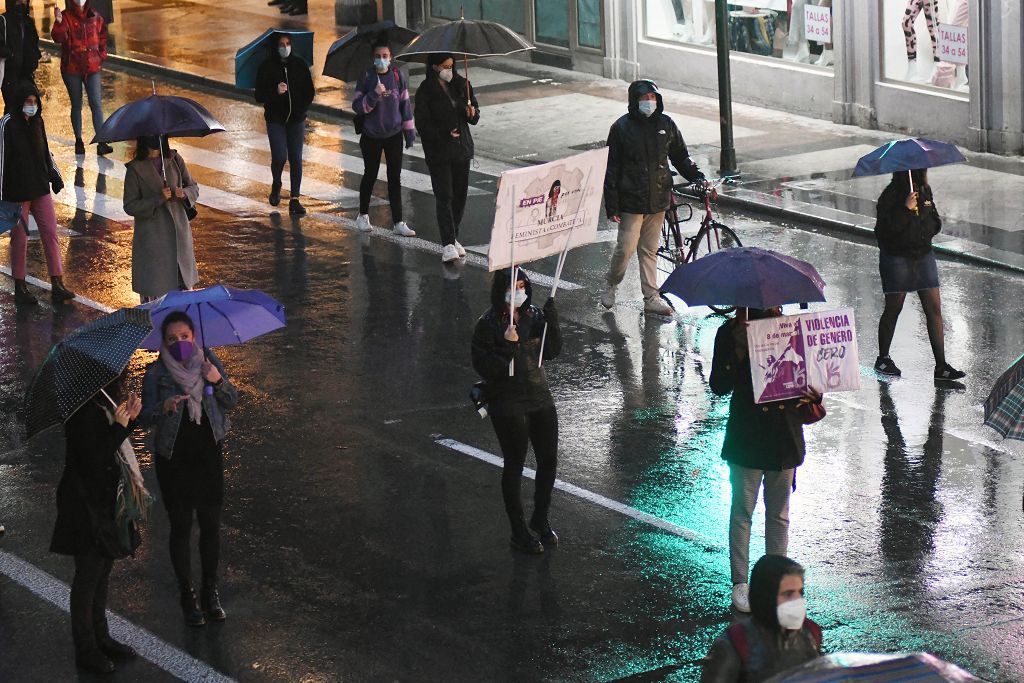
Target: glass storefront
926,42
793,30
567,24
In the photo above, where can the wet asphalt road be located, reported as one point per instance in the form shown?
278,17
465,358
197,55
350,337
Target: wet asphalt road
357,547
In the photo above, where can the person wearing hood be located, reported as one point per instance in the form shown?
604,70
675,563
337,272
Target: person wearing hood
777,636
100,471
382,100
445,109
156,188
82,35
506,353
27,174
19,51
637,187
285,89
185,399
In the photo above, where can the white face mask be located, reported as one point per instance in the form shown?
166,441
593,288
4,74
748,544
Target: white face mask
381,64
30,110
446,75
80,3
647,107
284,51
791,614
520,298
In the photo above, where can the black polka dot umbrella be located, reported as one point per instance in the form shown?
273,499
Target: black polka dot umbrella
82,364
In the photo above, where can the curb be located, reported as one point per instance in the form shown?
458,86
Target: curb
140,67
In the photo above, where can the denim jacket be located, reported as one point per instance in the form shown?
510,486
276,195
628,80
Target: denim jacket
158,386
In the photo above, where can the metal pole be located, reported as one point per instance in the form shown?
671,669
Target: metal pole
728,161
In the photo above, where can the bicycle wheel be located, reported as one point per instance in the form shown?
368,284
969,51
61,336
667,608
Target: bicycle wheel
715,237
670,250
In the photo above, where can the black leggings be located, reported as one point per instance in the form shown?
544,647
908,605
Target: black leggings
392,149
208,516
515,434
89,601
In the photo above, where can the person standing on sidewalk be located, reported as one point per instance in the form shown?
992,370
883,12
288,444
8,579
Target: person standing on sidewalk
27,173
382,101
285,89
82,35
185,397
764,444
907,222
19,51
637,187
445,109
521,407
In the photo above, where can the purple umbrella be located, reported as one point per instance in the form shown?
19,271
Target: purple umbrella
745,276
224,315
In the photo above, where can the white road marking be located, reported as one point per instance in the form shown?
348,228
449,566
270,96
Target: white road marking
169,658
596,498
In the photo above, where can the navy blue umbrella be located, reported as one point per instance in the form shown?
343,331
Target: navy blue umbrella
745,276
249,58
908,155
77,368
166,115
352,54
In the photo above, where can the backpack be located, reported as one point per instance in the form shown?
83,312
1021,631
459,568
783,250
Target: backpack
360,119
737,634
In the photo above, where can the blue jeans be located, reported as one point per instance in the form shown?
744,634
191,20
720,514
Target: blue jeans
92,84
286,145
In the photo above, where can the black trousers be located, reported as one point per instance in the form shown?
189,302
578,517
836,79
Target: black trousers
89,601
208,516
450,183
392,149
515,434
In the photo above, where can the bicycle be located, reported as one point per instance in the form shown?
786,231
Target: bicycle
676,250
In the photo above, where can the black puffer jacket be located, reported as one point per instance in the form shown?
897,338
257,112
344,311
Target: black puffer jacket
769,652
293,105
898,230
26,167
638,179
19,45
527,390
437,115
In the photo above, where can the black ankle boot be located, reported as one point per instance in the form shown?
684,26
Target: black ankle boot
59,293
22,295
94,662
544,530
115,650
190,607
211,603
522,540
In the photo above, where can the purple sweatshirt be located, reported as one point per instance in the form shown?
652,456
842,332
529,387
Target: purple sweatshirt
385,115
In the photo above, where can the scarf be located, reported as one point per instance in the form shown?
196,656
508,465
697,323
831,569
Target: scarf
133,500
188,376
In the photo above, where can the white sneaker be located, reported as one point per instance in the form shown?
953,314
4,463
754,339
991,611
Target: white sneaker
657,306
741,597
826,58
404,230
608,298
449,253
363,223
460,249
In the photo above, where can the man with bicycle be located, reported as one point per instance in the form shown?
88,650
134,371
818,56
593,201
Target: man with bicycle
637,186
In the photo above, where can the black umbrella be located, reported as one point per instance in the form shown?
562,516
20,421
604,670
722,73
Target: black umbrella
351,55
82,364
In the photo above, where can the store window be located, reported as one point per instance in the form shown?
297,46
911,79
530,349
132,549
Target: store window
926,42
552,21
588,20
794,30
504,12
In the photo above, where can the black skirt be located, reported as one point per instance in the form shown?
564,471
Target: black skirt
194,474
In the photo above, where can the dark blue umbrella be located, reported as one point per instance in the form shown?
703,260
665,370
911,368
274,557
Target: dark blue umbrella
352,54
158,115
249,58
223,315
745,276
83,363
908,155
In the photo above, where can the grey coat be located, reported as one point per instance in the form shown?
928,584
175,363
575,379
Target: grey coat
162,243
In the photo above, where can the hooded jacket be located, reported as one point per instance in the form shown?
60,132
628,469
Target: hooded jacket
19,45
638,179
83,39
26,166
437,114
527,390
898,230
292,106
385,116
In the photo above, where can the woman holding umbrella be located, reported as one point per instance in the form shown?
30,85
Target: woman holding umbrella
185,397
445,108
907,222
157,184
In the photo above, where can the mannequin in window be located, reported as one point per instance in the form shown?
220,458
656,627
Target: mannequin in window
796,33
826,58
930,8
947,74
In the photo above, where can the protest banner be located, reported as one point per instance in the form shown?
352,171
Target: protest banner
790,353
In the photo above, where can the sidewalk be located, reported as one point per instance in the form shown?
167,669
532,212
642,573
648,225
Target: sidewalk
793,167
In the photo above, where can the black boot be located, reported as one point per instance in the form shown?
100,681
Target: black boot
94,662
211,603
539,523
59,294
298,9
522,540
115,650
190,607
103,149
22,296
79,147
275,193
295,208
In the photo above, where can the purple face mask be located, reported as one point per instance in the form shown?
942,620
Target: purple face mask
181,350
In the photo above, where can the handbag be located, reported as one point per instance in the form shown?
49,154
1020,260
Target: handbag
10,215
190,209
811,412
478,397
